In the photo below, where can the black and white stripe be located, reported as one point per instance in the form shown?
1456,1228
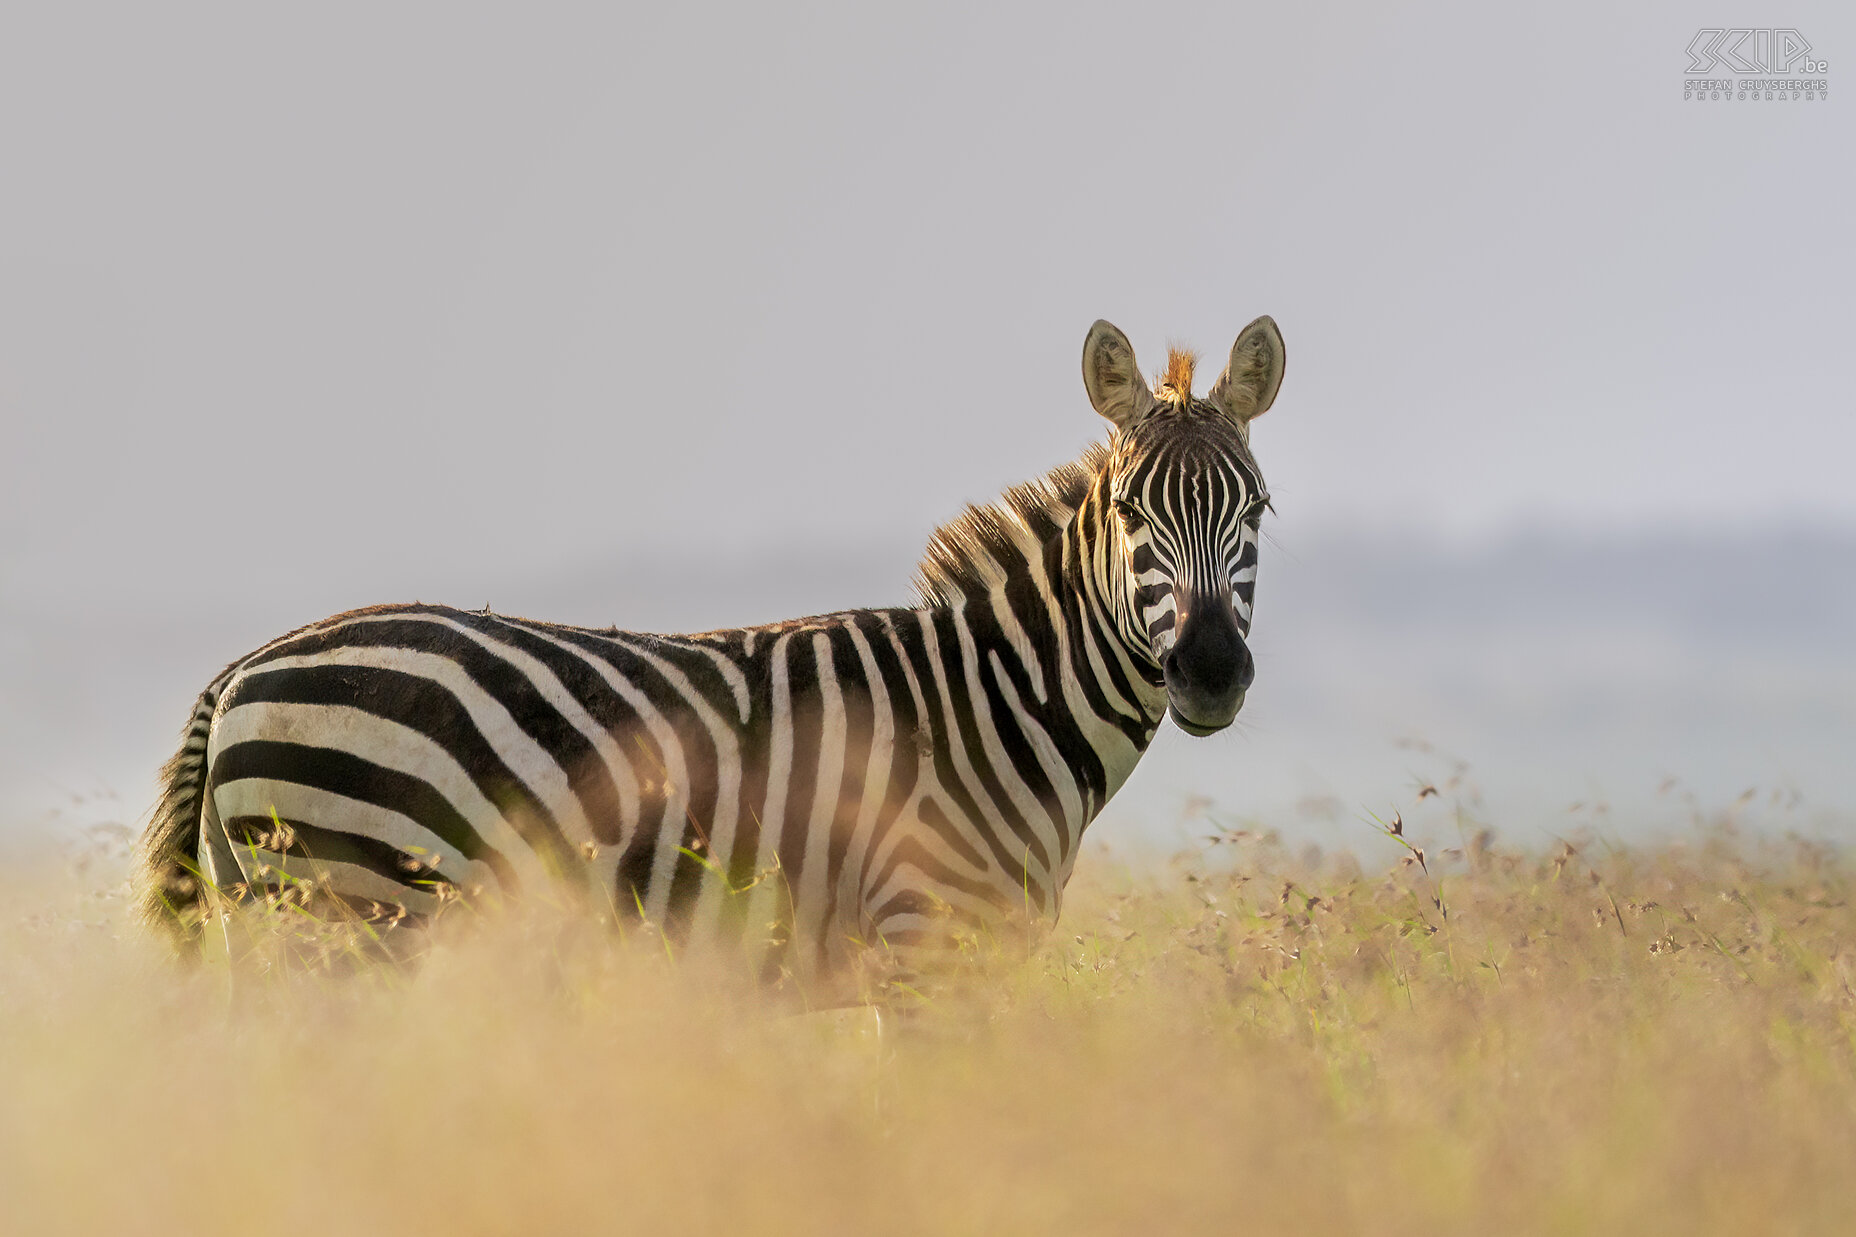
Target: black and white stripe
873,776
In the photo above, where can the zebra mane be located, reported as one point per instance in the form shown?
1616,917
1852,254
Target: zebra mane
1175,382
974,552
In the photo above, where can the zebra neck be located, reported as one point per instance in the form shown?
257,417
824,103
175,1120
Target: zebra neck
1120,697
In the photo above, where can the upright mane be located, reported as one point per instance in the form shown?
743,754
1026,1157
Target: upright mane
972,553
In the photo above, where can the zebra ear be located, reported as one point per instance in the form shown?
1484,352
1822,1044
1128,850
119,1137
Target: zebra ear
1112,378
1248,385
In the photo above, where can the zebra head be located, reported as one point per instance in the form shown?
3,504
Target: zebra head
1176,513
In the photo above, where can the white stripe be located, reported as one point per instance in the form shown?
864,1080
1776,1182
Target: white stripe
847,904
548,686
770,896
724,665
340,814
526,758
828,781
346,879
1061,776
956,747
677,808
1022,800
382,742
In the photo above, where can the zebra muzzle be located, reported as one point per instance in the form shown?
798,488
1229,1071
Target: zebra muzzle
1208,669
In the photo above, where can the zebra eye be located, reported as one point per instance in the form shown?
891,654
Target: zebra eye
1131,517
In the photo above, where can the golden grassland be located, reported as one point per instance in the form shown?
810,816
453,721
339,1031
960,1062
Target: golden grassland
1586,1039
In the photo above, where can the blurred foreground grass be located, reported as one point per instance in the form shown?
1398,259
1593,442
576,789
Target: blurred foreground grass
1584,1040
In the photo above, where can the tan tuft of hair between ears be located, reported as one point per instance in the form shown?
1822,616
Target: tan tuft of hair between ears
1175,383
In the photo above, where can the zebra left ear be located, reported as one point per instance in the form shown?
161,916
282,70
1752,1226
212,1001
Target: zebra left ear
1248,385
1112,378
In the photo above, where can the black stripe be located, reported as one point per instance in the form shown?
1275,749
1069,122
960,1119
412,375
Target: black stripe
995,652
947,831
501,681
808,736
417,703
1030,608
650,761
587,773
352,777
911,729
909,851
941,742
756,747
313,842
859,734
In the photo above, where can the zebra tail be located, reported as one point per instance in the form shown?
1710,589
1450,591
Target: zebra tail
170,889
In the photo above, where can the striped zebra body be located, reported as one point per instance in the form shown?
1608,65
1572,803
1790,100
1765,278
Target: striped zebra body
885,776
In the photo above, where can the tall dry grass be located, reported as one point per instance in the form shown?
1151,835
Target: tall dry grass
1585,1040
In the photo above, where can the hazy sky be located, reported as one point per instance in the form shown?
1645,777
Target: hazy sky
379,291
306,309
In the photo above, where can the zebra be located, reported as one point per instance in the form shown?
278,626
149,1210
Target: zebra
880,779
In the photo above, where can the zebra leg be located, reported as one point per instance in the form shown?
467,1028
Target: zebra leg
921,944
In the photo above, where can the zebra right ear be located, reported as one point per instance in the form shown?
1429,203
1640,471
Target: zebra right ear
1248,385
1112,378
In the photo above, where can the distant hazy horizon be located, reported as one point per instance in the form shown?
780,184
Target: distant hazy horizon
1656,675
